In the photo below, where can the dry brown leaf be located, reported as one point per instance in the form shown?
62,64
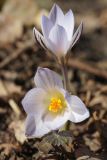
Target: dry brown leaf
83,158
14,16
103,18
91,21
10,29
8,88
3,91
100,99
19,130
87,158
21,12
92,142
7,148
12,87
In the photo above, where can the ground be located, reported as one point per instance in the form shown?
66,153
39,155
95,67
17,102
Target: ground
87,71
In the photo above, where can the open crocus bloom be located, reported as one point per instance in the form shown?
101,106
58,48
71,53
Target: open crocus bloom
49,106
57,31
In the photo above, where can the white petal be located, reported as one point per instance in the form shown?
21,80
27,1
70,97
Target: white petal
76,118
51,46
33,102
77,105
34,127
54,49
68,24
39,38
44,42
58,36
76,35
79,112
56,15
46,26
46,78
54,122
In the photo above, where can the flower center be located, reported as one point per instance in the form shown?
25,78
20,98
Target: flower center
55,105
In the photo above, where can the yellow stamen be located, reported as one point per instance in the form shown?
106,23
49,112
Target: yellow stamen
55,105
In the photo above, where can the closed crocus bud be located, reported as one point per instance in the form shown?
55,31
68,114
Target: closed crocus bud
49,106
57,28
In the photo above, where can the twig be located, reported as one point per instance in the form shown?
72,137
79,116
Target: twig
14,107
15,54
87,68
72,62
11,101
77,64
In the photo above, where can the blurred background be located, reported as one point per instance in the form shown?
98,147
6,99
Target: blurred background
87,70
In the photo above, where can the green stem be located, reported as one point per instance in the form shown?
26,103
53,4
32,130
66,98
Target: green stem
66,87
65,75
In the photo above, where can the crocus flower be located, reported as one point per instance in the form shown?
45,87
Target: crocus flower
57,28
49,106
